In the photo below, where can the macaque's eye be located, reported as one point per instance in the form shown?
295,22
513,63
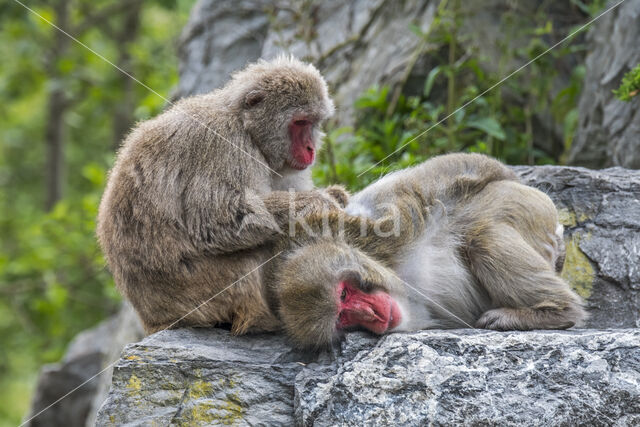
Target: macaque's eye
253,98
343,295
302,122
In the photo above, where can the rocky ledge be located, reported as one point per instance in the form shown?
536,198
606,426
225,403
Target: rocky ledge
469,377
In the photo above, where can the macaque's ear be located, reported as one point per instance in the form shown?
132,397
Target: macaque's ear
253,98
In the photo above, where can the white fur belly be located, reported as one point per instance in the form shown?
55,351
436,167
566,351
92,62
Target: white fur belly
440,290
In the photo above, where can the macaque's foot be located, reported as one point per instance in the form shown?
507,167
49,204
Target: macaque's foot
507,319
499,319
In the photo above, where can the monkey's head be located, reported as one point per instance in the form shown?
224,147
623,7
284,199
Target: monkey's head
326,288
283,104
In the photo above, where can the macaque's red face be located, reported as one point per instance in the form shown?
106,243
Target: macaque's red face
377,311
303,146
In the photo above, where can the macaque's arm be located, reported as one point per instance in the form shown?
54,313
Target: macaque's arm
234,222
382,238
400,225
286,207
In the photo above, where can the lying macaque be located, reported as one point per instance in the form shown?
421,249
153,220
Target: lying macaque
454,242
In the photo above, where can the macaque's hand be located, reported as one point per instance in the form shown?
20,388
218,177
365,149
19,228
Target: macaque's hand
317,202
339,194
292,206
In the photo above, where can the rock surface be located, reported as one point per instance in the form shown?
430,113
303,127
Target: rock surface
608,133
479,378
220,37
88,354
352,43
200,376
470,377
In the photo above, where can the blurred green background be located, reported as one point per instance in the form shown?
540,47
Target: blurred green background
64,110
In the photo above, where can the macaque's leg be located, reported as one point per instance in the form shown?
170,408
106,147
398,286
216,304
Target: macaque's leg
522,285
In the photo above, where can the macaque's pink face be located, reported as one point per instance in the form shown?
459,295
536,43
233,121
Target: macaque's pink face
377,311
303,146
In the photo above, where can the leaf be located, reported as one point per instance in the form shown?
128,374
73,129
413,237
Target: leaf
630,86
95,174
428,85
416,30
488,125
547,29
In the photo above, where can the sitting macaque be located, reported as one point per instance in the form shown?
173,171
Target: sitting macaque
198,195
472,247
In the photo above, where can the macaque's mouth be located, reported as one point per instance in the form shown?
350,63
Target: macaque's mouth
395,317
304,156
293,164
303,144
385,323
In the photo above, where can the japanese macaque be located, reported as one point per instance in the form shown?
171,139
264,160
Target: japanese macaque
198,194
473,248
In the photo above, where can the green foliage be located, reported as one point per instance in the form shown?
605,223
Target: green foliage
53,280
455,110
592,8
630,85
56,271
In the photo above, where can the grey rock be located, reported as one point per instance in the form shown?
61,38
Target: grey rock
203,377
355,44
469,377
80,382
480,378
608,132
352,42
80,363
220,37
127,329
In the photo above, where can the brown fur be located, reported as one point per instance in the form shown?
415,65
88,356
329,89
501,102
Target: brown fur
497,229
189,209
510,227
331,247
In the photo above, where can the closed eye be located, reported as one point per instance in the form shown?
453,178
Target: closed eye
302,122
